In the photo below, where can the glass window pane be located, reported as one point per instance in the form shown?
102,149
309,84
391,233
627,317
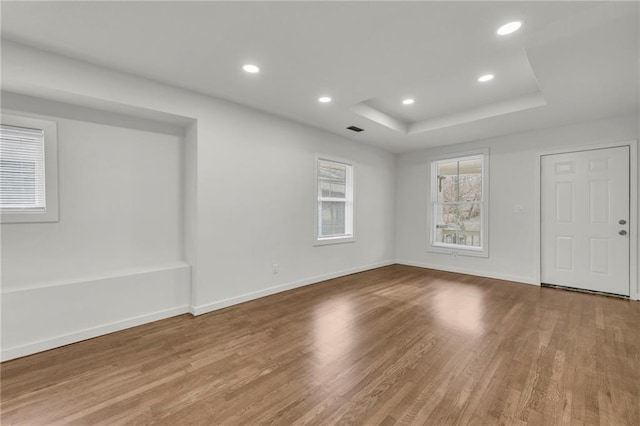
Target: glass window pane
332,179
458,224
325,188
470,180
332,218
470,224
447,181
446,223
469,216
458,204
338,190
332,171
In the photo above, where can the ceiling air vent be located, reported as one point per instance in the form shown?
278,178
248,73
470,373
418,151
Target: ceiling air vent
355,129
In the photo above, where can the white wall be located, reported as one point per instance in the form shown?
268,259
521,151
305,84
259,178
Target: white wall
248,196
256,194
248,184
116,252
120,195
512,237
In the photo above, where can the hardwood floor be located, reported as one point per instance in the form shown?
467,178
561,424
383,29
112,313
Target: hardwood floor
394,345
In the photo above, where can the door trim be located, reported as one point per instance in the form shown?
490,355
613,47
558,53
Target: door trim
634,290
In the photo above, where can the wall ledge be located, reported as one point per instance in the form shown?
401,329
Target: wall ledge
36,319
89,333
115,273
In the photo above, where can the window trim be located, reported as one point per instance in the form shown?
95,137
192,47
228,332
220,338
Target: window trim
50,129
351,202
454,249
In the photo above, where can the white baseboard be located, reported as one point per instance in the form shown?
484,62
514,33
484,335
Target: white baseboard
506,277
41,317
89,333
220,304
97,307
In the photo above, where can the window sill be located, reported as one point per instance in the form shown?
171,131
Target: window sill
459,250
334,240
33,217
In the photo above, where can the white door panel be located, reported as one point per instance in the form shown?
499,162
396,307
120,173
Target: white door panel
584,197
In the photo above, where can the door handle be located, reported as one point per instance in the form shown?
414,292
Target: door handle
622,232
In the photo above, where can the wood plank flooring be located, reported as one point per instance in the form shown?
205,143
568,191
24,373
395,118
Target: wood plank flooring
396,345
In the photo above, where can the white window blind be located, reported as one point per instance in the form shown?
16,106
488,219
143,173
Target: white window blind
22,173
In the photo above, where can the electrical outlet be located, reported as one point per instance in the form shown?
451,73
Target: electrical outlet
454,255
275,269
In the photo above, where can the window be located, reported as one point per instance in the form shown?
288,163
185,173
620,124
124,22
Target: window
334,221
459,205
28,170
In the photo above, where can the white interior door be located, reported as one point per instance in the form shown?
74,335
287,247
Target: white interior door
585,220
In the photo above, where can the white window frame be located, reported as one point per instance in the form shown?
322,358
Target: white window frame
50,130
350,210
458,249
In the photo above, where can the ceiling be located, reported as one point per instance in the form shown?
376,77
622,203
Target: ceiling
571,61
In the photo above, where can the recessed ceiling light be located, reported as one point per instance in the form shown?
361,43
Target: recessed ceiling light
485,78
408,101
324,99
250,68
509,28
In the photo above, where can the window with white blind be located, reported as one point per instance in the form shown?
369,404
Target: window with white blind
28,170
335,206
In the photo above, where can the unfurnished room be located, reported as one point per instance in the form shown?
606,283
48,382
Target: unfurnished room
319,213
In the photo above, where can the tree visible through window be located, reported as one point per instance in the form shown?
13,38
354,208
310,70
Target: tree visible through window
458,202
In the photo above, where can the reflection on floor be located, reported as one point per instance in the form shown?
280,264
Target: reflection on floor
392,345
